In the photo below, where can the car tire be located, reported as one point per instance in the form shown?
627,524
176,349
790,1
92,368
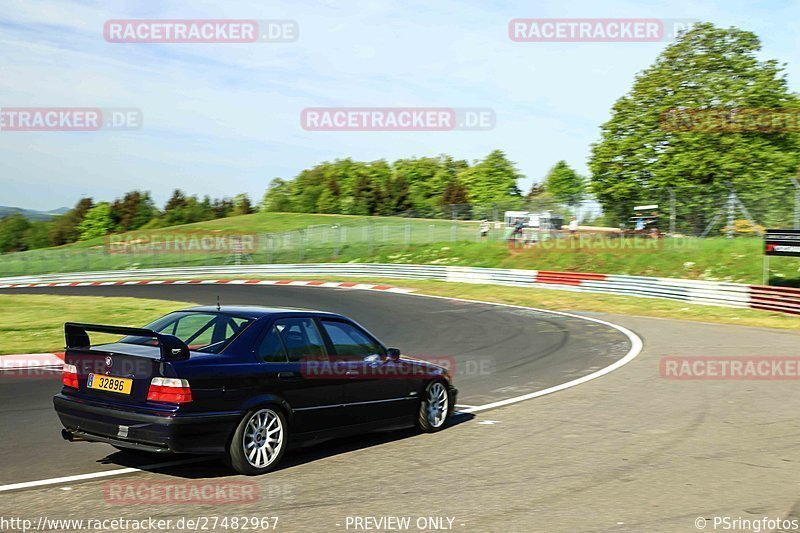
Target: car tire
434,407
259,442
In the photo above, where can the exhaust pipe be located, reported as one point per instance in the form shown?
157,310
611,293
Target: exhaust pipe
66,435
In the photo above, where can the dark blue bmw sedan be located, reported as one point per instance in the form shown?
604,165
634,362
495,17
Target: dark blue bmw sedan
242,382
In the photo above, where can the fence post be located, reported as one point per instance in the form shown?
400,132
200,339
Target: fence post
370,232
336,236
731,214
672,214
301,237
796,224
453,227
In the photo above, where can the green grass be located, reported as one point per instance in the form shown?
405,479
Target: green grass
560,300
342,238
35,323
715,259
275,223
603,303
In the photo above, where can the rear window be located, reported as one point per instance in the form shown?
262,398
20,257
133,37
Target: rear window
202,332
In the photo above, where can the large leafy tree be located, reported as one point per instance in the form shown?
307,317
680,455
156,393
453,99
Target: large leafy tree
494,179
12,232
65,228
566,185
242,205
133,211
706,68
97,222
278,196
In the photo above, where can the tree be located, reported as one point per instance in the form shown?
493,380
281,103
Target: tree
707,68
565,184
182,209
278,196
492,180
399,195
242,205
65,227
97,223
455,193
38,235
364,193
423,185
12,232
537,189
219,207
133,211
328,201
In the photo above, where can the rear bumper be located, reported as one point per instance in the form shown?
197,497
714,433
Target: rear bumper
168,432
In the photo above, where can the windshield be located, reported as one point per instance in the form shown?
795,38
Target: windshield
201,331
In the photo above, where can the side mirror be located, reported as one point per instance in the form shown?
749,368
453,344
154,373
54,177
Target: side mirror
392,354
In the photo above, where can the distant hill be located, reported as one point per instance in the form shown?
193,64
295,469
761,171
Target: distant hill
32,214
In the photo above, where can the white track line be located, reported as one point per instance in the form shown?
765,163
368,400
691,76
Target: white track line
636,348
96,475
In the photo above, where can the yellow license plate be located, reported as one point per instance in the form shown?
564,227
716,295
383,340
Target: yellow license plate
109,383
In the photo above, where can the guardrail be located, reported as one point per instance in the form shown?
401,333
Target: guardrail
779,299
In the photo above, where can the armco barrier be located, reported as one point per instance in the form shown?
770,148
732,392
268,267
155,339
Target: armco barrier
785,300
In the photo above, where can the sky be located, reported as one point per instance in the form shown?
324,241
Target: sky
221,119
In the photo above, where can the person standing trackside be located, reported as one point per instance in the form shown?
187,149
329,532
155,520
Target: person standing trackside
573,226
484,228
519,225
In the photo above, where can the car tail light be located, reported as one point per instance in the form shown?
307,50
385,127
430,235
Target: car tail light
69,376
170,390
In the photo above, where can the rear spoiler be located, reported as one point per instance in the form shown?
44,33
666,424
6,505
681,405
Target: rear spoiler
171,346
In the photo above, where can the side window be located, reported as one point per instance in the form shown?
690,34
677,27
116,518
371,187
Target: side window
234,325
300,338
271,349
196,328
350,341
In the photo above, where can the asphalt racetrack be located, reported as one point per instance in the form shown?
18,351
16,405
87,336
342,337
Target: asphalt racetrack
628,451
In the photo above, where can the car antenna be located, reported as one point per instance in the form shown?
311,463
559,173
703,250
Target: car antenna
217,302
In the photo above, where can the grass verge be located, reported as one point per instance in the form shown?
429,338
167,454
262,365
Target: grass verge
563,300
33,323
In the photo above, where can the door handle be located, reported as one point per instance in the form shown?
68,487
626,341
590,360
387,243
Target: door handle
287,375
